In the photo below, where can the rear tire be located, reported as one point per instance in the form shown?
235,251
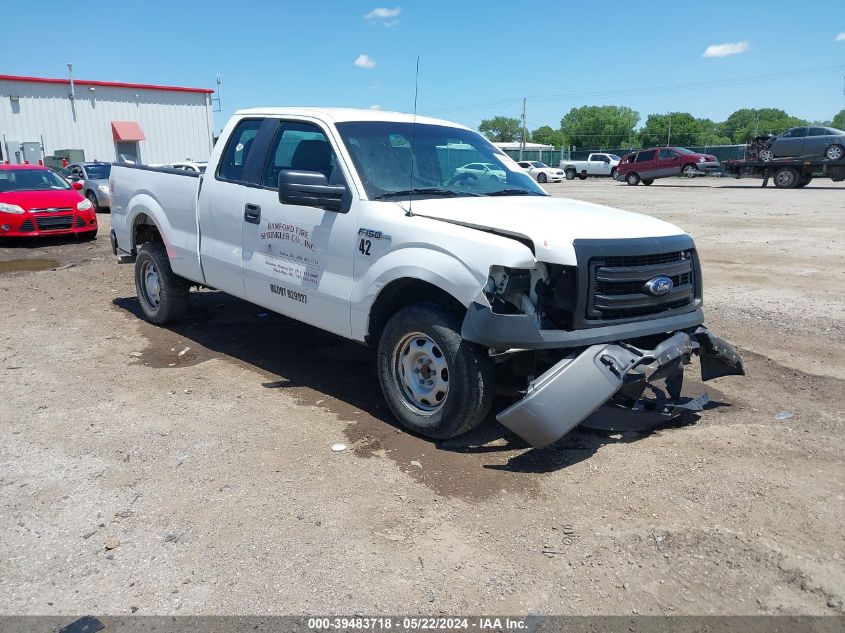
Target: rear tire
435,383
633,179
648,181
570,174
834,152
164,296
787,178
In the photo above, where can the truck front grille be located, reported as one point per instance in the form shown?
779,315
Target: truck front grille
618,285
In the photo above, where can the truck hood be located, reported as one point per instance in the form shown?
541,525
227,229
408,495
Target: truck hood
550,223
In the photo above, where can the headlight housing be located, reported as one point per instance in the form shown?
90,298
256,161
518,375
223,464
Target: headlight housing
84,205
103,188
702,159
11,208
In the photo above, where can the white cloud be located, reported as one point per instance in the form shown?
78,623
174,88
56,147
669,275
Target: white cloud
375,106
364,61
840,37
729,48
381,13
387,17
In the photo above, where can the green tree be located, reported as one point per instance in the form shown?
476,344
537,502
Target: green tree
548,136
687,131
742,125
839,121
501,129
594,127
710,133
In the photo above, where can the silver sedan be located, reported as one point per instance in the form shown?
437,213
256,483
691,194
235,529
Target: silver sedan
95,182
804,141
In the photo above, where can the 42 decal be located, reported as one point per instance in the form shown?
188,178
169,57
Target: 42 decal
367,236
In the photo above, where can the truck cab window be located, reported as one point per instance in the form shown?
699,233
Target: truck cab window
301,146
237,150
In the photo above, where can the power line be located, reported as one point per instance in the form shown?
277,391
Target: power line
604,94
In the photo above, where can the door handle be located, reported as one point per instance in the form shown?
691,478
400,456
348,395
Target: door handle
252,213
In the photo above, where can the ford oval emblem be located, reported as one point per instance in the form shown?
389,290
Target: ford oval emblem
659,286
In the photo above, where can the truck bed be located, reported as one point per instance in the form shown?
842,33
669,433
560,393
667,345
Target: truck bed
813,165
150,191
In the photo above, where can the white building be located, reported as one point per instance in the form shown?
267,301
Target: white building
108,121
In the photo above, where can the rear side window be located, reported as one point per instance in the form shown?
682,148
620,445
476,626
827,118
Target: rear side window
300,146
666,153
817,131
644,156
237,150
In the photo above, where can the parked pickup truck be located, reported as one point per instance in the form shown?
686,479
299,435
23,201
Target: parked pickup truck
596,165
359,222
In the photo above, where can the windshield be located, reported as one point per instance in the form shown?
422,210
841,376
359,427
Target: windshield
30,180
682,150
614,157
446,161
538,164
100,171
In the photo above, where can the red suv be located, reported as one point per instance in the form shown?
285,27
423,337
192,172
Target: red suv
646,165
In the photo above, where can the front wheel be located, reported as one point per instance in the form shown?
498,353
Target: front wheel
766,155
541,178
582,176
633,179
613,173
435,383
690,171
834,152
163,295
92,198
648,181
570,174
787,178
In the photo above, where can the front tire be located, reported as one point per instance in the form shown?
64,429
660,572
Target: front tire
163,295
542,178
613,173
648,181
689,171
435,383
582,176
766,154
92,198
633,179
834,152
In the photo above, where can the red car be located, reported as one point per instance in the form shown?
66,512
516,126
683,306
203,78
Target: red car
646,165
36,201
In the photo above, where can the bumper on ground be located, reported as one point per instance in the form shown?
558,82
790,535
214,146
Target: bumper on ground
603,387
708,166
44,224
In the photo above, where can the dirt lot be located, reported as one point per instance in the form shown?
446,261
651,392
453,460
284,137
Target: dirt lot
189,469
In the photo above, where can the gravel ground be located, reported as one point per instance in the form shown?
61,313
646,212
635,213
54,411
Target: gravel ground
189,470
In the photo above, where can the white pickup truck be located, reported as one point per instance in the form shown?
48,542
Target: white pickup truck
359,222
597,164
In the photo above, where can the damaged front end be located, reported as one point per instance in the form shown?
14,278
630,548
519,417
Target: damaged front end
588,341
603,387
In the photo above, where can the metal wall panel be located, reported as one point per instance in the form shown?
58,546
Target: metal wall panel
178,125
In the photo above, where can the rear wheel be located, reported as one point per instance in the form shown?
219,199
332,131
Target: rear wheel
787,178
633,179
541,177
570,174
435,383
648,181
163,295
834,152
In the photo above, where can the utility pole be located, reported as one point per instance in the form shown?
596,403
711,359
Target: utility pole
669,134
522,146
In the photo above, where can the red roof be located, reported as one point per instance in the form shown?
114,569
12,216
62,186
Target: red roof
110,84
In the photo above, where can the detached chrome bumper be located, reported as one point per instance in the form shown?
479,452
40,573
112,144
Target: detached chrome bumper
616,375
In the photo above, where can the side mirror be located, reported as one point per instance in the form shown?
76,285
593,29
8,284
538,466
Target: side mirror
310,189
76,185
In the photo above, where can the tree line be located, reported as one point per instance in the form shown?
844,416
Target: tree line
590,127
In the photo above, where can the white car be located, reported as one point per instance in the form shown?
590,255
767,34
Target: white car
541,172
486,171
462,285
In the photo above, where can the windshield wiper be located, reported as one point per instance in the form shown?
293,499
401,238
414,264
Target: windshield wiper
513,192
433,191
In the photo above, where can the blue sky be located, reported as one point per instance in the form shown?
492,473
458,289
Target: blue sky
477,59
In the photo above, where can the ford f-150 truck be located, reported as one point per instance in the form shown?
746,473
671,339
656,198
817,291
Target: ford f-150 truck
597,164
361,223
